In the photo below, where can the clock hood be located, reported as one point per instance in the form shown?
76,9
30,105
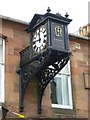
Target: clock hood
37,18
40,18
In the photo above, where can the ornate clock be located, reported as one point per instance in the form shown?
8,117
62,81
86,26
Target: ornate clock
48,31
39,39
48,52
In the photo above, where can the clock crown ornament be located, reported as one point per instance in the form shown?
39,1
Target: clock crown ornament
48,10
40,18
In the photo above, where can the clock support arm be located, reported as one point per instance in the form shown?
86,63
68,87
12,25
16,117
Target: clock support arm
44,66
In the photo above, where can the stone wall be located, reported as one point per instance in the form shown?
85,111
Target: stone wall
17,39
79,66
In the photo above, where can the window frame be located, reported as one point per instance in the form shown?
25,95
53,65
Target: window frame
2,86
70,90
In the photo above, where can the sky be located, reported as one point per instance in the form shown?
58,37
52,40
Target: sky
25,10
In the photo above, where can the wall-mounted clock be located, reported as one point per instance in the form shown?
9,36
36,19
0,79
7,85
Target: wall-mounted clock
48,35
39,40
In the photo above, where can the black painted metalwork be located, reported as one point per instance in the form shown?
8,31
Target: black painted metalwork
66,15
48,10
47,63
56,62
45,66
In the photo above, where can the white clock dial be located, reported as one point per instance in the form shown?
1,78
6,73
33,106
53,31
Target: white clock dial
39,39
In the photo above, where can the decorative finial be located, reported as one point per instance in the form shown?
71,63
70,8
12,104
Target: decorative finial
58,14
48,10
66,15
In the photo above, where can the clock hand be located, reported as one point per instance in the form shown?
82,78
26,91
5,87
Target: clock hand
37,37
36,40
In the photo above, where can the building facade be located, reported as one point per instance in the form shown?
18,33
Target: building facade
85,30
67,95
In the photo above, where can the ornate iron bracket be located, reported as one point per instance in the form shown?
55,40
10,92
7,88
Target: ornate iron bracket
45,66
49,72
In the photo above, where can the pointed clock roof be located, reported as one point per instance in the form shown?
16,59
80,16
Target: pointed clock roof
38,19
35,20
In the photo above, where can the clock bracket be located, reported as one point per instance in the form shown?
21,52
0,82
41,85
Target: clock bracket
44,66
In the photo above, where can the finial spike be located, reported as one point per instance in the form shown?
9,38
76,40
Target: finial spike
48,10
66,15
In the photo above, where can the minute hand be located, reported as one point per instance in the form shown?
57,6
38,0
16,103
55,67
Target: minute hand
37,38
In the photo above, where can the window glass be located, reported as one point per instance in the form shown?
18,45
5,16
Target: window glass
61,89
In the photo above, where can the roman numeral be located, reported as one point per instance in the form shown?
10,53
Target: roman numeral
45,36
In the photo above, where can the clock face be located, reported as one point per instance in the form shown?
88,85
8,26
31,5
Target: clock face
39,39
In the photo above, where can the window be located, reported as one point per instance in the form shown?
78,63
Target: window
61,94
2,50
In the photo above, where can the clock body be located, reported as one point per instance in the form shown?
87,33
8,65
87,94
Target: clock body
48,31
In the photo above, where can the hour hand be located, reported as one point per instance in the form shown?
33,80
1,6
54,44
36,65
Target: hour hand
36,40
